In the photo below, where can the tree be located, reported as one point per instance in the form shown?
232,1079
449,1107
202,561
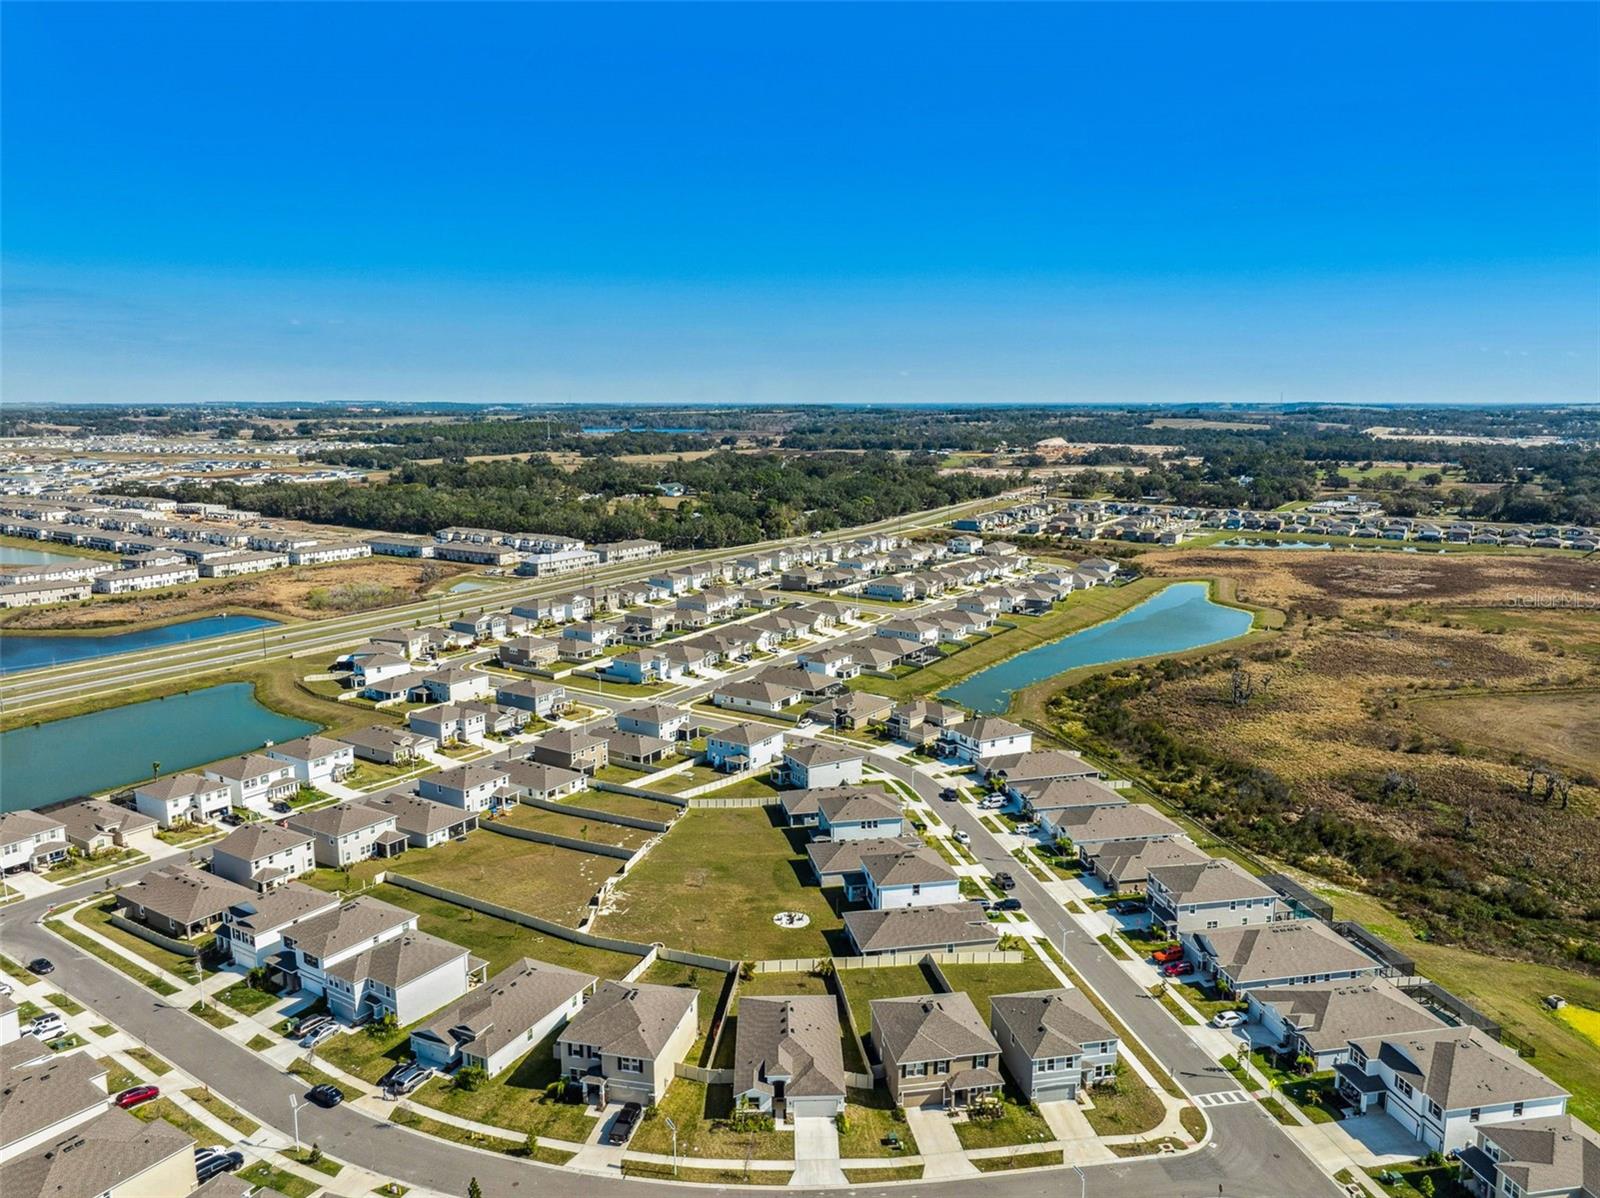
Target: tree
474,1190
155,769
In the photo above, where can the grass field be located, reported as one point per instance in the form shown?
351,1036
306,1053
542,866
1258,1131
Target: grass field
1559,726
701,1113
713,885
861,986
983,982
577,827
538,879
615,804
515,1099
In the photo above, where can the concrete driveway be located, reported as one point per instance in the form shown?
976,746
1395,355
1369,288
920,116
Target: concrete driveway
816,1153
942,1154
1372,1140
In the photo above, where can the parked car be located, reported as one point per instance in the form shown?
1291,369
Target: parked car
41,966
962,837
325,1095
389,1078
1009,904
1227,1019
622,1126
133,1097
207,1167
5,988
47,1026
310,1023
992,803
1177,969
411,1079
949,794
1173,952
320,1034
1005,881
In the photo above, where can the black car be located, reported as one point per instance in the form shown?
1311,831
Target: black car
1128,907
325,1095
622,1126
1008,904
948,795
207,1167
1005,881
41,966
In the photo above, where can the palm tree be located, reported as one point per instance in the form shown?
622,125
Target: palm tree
155,768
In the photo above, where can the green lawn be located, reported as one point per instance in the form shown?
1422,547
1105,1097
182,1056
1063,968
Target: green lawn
286,1183
701,1113
210,1014
165,1108
369,775
116,960
77,866
618,804
1019,1123
118,1079
215,1106
246,999
870,1118
460,1135
714,884
516,1099
538,879
1130,1109
983,982
501,942
1021,1160
149,1060
577,827
758,786
97,917
861,986
687,779
64,1004
259,1043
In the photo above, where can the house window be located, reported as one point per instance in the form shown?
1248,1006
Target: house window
1516,1111
1512,1189
1404,1086
1475,1114
914,1069
630,1065
1435,1109
939,1067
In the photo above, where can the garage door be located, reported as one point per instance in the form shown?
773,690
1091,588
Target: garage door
821,1108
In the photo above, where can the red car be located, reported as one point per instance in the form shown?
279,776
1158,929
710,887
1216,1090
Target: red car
1177,968
139,1094
1172,953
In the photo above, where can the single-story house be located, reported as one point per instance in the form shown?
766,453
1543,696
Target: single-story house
179,901
1280,954
946,928
389,746
495,1025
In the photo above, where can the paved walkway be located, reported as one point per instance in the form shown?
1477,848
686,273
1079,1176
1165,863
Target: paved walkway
942,1154
1079,1142
816,1153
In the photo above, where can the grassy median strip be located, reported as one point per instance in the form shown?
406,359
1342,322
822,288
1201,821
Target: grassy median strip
237,1120
171,1112
63,1003
1021,1160
116,960
149,1060
461,1135
286,1183
863,1177
210,1014
718,1177
313,1158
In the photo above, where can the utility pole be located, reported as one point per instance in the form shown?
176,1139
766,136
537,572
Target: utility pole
294,1109
674,1127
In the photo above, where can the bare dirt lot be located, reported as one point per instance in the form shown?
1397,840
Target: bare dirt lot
304,592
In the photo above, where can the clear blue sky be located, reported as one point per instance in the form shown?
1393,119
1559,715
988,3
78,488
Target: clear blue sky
771,203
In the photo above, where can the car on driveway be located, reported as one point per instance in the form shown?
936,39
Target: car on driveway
215,1161
389,1078
622,1126
131,1098
1005,881
1227,1019
325,1095
47,1026
1172,952
1128,907
41,966
410,1079
1177,969
317,1035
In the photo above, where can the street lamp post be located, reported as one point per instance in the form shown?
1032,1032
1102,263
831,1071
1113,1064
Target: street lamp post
674,1129
294,1109
1083,1182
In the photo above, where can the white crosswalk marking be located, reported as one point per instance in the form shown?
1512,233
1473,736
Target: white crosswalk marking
1225,1098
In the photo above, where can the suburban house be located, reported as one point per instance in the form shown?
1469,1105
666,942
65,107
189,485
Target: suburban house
367,958
122,1157
547,700
1023,773
179,901
498,720
921,721
40,1098
636,748
842,862
96,826
1319,1019
622,1046
815,764
660,720
787,1058
1210,894
316,760
469,788
649,625
978,739
918,633
408,642
852,709
423,822
392,687
255,780
744,746
528,653
1045,801
947,928
1089,828
1123,866
536,780
764,698
262,855
935,1049
31,841
489,626
347,833
455,685
182,798
850,814
642,666
915,878
389,746
572,749
834,661
1052,1042
1280,954
1443,1085
1550,1157
495,1025
252,930
447,723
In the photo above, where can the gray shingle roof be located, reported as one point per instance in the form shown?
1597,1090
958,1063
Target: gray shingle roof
398,961
1127,862
793,1037
339,820
905,868
96,1157
1299,948
354,923
929,1027
254,841
1217,880
35,1097
1460,1067
814,753
1328,1015
633,1020
1049,1023
1556,1153
908,928
504,1008
184,895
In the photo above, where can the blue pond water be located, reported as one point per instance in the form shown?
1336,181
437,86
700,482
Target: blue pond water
24,652
16,555
87,753
1172,620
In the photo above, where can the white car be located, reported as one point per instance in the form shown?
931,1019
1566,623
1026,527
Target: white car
319,1035
47,1027
961,837
1227,1019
